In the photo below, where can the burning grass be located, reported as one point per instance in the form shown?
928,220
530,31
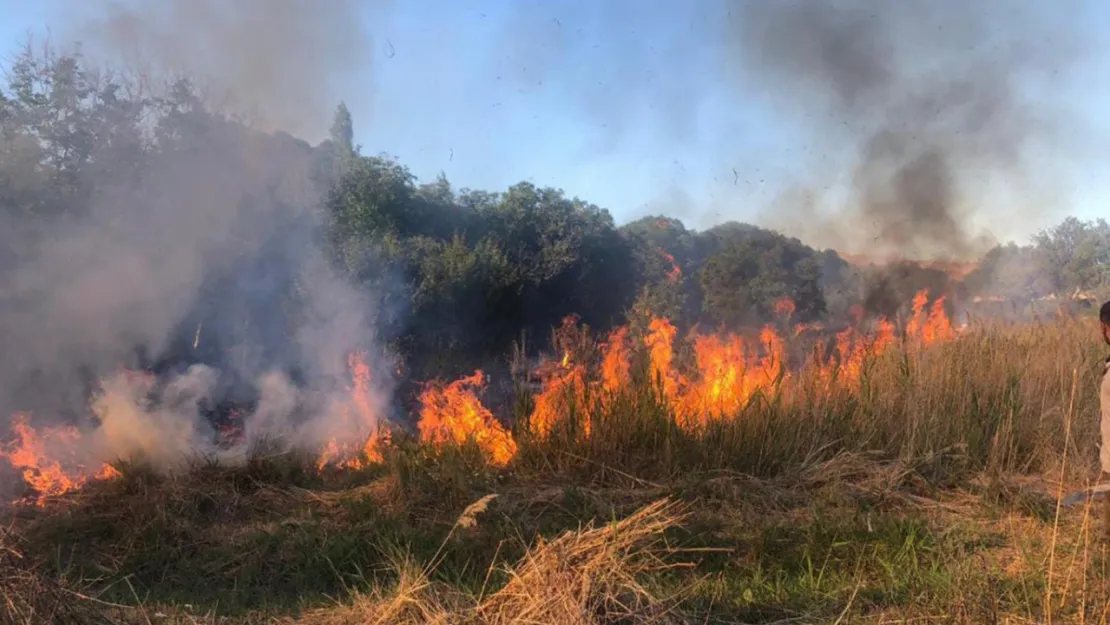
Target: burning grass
697,383
900,478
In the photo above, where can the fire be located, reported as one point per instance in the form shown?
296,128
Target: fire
854,347
342,457
231,433
729,374
720,387
675,273
784,306
917,320
358,416
453,412
937,327
660,343
730,371
928,327
106,472
715,380
563,396
616,368
33,452
360,388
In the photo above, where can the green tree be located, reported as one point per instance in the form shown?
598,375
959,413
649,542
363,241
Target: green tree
1076,254
743,279
665,261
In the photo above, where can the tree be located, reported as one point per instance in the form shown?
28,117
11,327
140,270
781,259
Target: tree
566,256
342,133
665,263
1076,254
742,281
1012,272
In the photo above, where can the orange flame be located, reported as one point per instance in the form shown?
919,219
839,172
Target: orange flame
33,452
616,368
660,343
854,348
675,273
453,412
719,389
927,327
359,416
727,372
784,306
563,396
729,375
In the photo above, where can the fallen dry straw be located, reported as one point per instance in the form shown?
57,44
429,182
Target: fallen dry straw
588,577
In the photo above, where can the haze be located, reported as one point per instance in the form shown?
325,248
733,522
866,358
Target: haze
674,107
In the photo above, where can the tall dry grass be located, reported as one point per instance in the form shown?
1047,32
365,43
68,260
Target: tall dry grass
996,398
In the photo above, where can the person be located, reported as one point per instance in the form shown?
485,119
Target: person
1104,391
1104,408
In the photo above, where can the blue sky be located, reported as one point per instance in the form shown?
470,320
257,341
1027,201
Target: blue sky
622,103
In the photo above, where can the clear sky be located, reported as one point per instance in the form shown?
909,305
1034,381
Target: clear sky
620,102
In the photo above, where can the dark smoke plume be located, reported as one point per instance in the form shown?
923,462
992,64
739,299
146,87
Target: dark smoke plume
938,99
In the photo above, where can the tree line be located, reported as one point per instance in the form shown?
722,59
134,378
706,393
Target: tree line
465,273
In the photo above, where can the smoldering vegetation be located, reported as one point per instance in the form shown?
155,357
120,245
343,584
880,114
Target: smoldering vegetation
135,219
160,219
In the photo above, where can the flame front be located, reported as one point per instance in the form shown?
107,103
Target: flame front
721,379
453,412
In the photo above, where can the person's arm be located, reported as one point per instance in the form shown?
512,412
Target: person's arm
1104,425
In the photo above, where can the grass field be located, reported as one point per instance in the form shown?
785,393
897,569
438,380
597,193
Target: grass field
925,490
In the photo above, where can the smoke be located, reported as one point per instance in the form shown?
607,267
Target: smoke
282,64
941,102
167,433
205,259
915,129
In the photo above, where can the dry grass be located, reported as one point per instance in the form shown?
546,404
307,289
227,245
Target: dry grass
997,399
29,598
926,494
589,577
